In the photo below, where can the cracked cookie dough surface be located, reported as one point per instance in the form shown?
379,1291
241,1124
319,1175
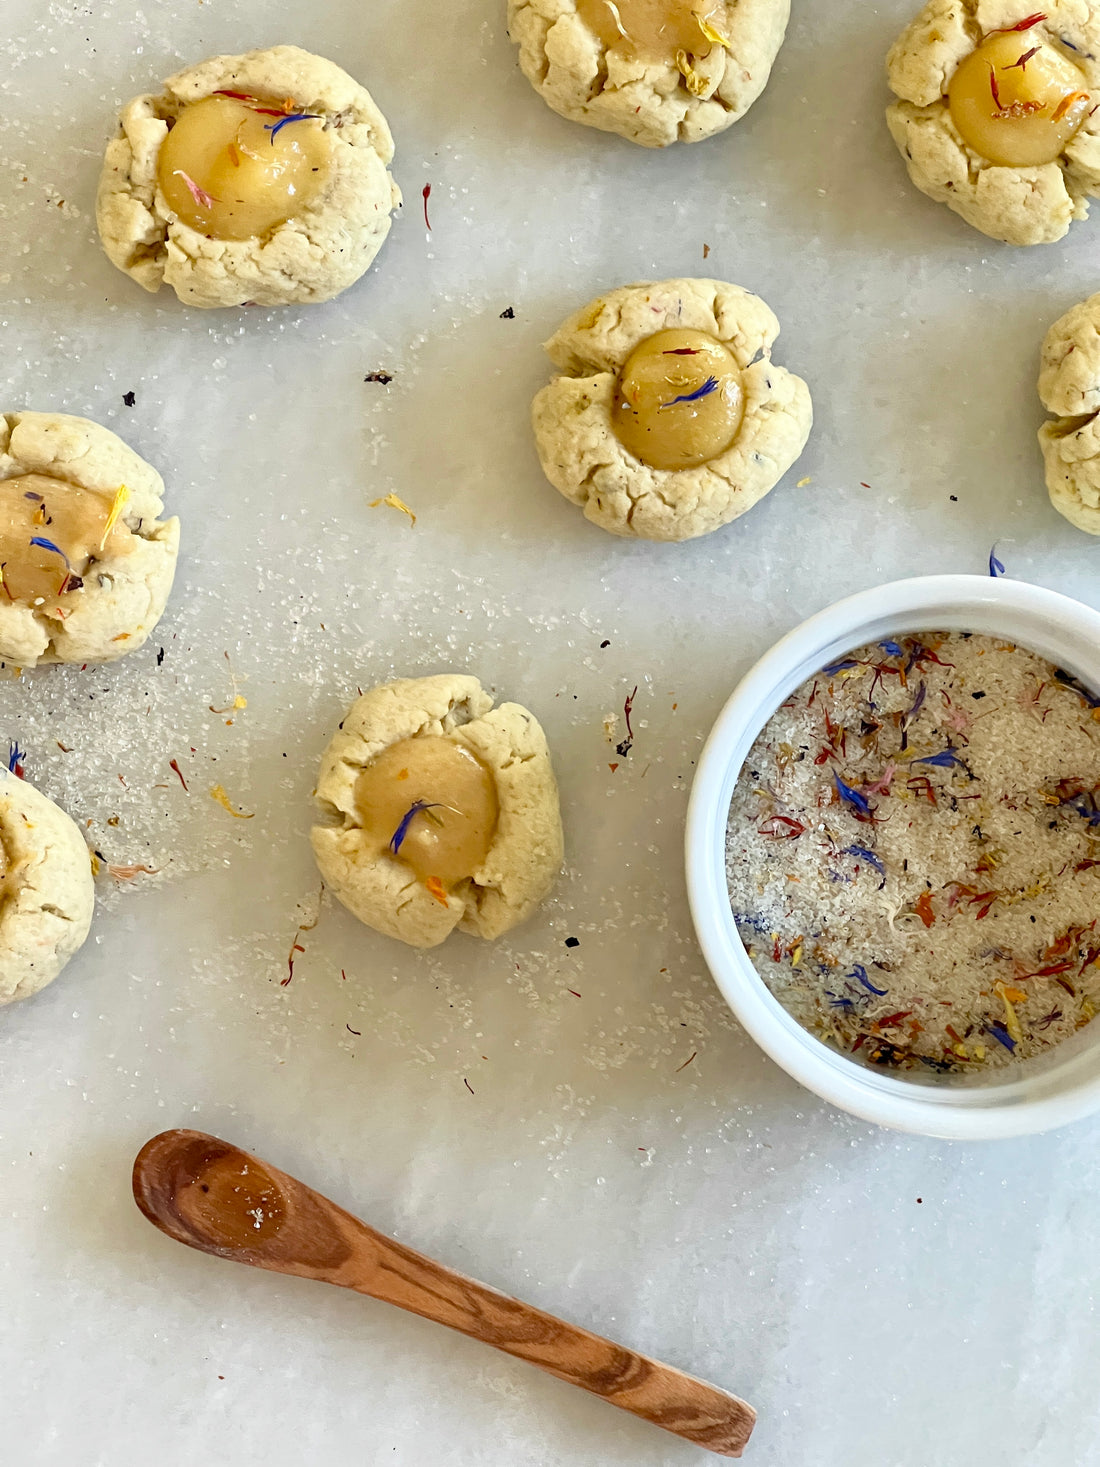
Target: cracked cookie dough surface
87,565
1069,385
438,811
46,889
654,71
995,117
287,196
599,352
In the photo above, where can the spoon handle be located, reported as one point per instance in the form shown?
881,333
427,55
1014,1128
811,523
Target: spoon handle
660,1394
214,1197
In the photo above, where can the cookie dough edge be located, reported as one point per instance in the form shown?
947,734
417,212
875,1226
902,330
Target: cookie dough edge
39,937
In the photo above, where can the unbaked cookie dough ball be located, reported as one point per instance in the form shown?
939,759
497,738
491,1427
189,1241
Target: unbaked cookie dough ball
1069,385
669,417
997,116
86,565
255,179
438,811
46,889
654,71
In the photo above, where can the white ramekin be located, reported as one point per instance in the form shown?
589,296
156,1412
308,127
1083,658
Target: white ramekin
1061,1087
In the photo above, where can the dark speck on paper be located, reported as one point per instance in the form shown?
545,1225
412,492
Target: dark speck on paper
129,398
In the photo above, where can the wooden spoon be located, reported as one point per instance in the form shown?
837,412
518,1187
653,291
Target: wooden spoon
214,1197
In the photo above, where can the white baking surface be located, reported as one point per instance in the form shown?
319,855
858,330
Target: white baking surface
881,1300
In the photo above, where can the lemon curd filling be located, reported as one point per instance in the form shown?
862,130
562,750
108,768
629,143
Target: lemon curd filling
679,401
433,804
656,30
1017,100
236,168
51,532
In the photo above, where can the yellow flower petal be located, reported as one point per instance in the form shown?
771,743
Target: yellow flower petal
218,793
394,503
715,37
121,500
696,84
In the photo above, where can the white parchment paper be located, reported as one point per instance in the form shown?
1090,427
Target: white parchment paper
584,1126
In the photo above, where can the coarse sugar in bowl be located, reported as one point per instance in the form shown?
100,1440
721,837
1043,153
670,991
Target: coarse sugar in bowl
906,1071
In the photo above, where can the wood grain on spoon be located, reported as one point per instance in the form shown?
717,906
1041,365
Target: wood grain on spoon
214,1197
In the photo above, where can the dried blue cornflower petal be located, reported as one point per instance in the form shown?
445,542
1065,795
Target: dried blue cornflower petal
893,648
835,667
49,545
859,973
1087,809
836,1002
276,127
918,704
995,567
948,759
1001,1034
709,386
752,920
908,718
864,854
852,797
16,755
398,838
1068,680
